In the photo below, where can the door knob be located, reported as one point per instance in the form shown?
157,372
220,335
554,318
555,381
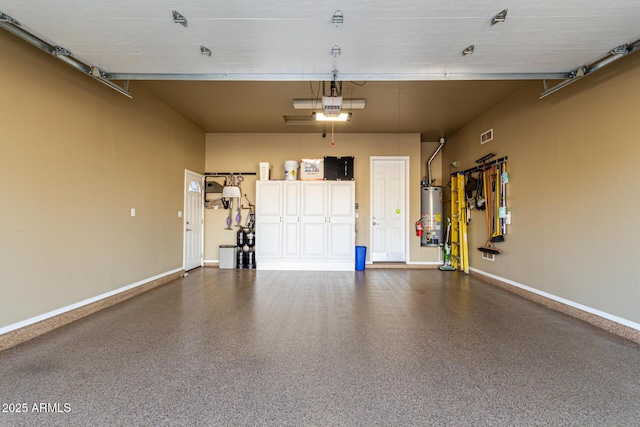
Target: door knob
375,223
188,229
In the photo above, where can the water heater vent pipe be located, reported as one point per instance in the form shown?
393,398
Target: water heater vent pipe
432,157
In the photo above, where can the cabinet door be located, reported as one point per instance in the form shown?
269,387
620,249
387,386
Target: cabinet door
313,220
268,220
341,223
291,219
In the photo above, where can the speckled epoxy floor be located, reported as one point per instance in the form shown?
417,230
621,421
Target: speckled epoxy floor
378,347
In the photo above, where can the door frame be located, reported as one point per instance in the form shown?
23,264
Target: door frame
406,160
184,218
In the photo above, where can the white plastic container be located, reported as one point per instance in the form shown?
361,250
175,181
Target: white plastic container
291,170
264,171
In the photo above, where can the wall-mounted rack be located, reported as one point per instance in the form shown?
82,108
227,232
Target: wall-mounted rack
484,165
223,174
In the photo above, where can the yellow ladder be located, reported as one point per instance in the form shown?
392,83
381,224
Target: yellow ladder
459,241
455,222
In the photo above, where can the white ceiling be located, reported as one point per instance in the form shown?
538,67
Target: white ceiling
291,41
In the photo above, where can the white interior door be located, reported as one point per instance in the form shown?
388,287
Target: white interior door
388,209
193,220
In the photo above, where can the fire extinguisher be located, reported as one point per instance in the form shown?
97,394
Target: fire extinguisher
419,228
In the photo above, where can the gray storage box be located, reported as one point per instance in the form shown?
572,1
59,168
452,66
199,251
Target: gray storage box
227,256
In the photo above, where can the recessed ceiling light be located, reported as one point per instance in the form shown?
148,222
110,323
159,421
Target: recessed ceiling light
205,50
335,51
179,19
338,18
468,50
500,17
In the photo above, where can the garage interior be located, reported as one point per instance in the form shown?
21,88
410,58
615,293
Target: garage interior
93,185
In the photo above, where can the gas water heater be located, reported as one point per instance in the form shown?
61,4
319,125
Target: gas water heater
431,216
431,202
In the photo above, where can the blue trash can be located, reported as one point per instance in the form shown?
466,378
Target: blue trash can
361,257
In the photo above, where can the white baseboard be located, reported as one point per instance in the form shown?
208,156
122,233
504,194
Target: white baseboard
573,304
83,303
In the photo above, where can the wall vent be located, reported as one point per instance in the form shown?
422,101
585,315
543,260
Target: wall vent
488,257
486,136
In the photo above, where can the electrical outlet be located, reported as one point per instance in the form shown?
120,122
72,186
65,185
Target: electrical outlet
507,219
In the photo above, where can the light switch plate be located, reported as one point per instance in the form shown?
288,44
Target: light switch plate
133,211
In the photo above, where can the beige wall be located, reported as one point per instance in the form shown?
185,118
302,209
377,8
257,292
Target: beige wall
573,188
75,157
244,152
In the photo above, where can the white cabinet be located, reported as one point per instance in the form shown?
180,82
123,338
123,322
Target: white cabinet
305,225
313,220
341,214
290,203
269,210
